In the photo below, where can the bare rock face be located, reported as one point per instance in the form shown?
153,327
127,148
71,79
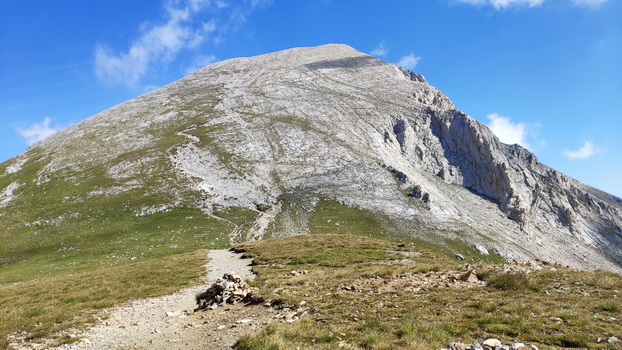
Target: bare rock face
331,121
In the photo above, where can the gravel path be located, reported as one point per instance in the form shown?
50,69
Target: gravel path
168,322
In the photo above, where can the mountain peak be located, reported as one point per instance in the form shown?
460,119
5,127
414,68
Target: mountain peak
276,134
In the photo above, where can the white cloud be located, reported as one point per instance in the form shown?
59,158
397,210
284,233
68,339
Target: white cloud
380,50
199,62
588,150
502,4
409,62
38,131
183,27
589,3
510,132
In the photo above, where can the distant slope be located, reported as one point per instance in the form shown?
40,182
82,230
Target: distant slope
270,137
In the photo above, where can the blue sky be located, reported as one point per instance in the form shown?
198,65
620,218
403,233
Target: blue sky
542,73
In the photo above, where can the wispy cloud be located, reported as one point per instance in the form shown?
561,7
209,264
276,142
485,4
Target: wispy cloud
511,132
409,61
589,3
504,4
380,50
184,27
38,131
587,151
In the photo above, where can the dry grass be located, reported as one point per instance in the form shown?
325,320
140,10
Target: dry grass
42,308
516,306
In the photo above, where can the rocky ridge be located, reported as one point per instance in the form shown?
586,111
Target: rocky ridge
331,121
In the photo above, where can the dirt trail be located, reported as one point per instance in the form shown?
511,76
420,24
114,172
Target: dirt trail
163,323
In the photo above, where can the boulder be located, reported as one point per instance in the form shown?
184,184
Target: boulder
470,277
480,248
492,343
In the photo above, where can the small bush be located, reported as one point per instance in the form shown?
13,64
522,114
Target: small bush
369,342
609,307
404,331
483,275
571,341
477,304
509,281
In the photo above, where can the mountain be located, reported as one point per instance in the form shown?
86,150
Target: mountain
252,147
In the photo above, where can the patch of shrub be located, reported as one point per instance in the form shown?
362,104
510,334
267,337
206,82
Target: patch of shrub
571,341
509,281
609,307
483,275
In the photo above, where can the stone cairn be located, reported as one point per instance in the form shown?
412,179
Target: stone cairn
229,289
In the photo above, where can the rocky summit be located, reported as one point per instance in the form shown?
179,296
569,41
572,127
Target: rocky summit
276,134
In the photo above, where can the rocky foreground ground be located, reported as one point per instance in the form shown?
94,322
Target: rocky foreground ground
169,322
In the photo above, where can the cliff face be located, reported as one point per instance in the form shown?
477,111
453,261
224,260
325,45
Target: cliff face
332,122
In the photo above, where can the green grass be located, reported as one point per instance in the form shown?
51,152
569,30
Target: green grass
42,308
319,215
125,239
432,317
610,307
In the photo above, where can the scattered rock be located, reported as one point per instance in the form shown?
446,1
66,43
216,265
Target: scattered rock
476,346
426,198
401,177
459,257
300,272
418,193
491,344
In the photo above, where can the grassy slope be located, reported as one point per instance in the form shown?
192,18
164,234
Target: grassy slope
588,303
76,242
319,215
512,307
41,308
85,219
429,318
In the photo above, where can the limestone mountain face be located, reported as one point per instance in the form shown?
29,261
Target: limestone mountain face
308,123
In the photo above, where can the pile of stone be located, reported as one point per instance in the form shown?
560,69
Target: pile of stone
491,344
229,289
